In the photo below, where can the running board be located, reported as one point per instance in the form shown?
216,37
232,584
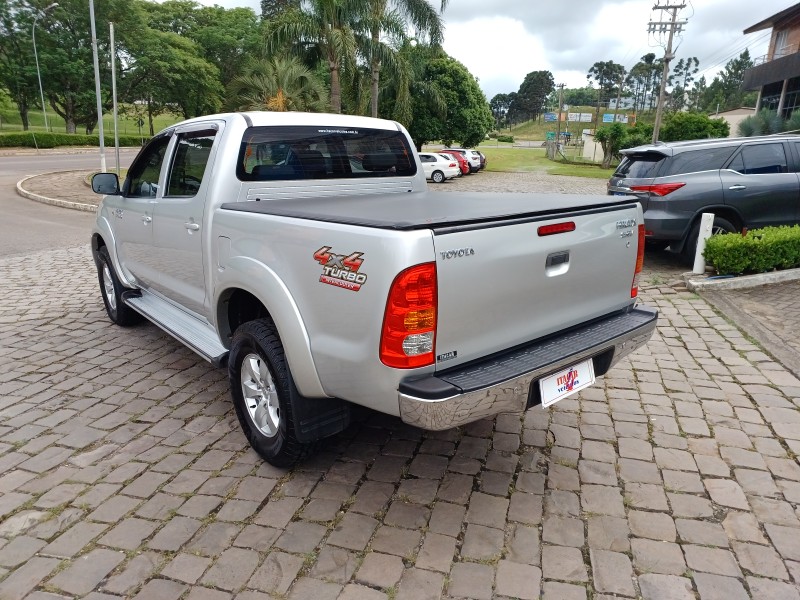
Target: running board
183,327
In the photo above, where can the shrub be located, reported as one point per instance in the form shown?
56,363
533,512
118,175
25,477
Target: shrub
692,126
27,139
758,251
493,135
505,138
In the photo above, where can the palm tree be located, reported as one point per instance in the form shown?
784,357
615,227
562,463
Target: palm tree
279,84
392,17
321,29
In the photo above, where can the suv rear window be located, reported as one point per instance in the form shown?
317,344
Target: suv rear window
277,153
639,166
698,160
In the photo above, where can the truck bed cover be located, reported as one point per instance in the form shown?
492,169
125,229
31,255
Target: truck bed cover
431,210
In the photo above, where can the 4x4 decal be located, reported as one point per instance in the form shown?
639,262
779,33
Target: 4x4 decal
341,270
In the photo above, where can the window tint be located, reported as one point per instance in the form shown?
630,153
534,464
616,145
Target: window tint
639,165
764,158
697,160
281,153
737,164
189,165
142,181
426,158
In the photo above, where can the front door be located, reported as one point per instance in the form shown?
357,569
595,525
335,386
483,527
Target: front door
132,211
179,224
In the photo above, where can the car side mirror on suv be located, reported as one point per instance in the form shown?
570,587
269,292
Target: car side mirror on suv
105,183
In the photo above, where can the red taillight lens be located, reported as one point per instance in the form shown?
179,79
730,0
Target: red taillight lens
409,323
555,228
639,263
452,165
658,189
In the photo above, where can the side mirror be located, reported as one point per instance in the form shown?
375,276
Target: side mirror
105,183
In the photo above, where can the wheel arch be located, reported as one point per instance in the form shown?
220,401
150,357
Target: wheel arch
721,210
265,296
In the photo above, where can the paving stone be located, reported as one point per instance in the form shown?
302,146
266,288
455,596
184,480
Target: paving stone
639,471
555,590
601,473
665,587
18,550
186,567
518,581
612,572
717,587
652,556
743,526
84,574
160,589
372,497
276,573
703,533
482,543
394,540
527,508
760,560
72,541
711,560
559,562
652,525
411,516
676,460
524,546
530,482
683,481
278,512
726,492
138,570
562,531
635,448
417,584
437,553
712,466
113,509
447,519
785,539
602,500
354,592
212,540
738,457
303,537
21,581
487,510
774,511
608,533
767,589
645,496
455,488
470,580
175,534
560,477
380,570
688,505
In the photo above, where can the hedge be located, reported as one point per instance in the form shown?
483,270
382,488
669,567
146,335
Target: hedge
505,138
757,251
27,139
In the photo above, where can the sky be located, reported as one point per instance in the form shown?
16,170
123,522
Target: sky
500,41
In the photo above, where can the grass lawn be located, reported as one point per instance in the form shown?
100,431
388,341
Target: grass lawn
10,121
523,160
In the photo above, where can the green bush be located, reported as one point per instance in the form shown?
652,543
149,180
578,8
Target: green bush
758,251
505,138
27,139
493,135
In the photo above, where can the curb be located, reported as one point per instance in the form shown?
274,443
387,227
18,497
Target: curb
740,283
54,201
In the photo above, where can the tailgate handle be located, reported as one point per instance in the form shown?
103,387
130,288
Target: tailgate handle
557,258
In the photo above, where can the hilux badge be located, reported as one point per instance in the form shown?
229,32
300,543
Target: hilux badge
626,223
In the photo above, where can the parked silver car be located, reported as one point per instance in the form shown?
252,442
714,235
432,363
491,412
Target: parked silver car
746,182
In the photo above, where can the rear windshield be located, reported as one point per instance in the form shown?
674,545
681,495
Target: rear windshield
277,153
639,166
695,161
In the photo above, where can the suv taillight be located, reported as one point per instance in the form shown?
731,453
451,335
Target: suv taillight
409,323
639,263
658,189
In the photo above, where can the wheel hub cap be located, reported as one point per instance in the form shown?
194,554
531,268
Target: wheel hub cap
260,395
108,288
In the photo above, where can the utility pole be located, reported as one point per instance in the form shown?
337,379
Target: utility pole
560,87
672,27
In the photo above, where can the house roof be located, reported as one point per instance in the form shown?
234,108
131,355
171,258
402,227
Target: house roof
770,21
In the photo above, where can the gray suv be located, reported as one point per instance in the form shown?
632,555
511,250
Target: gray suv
746,182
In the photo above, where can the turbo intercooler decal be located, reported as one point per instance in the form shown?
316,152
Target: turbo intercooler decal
341,270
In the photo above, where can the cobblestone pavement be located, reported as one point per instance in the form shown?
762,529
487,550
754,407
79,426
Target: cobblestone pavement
123,473
69,186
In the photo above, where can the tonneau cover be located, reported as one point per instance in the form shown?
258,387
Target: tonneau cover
427,210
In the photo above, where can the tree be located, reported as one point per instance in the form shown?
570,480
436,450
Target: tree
533,93
500,105
321,30
394,17
17,67
272,9
692,126
682,78
611,138
608,76
279,84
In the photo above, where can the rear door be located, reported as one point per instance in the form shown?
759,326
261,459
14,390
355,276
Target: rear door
758,182
179,223
503,284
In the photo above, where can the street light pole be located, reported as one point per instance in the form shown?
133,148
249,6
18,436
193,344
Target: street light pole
36,56
97,89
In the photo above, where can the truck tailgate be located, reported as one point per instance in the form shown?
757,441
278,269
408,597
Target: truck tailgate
505,283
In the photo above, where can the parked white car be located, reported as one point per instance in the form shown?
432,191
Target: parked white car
473,158
438,167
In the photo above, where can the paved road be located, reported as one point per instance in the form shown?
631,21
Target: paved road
123,473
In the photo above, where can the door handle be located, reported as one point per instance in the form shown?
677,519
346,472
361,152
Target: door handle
192,226
738,187
146,219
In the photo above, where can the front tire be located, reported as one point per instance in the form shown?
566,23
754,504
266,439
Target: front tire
264,394
437,177
690,247
111,290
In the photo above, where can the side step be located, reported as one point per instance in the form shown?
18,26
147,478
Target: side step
183,327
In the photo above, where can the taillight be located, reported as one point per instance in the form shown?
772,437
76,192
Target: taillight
452,165
409,323
555,228
658,189
639,263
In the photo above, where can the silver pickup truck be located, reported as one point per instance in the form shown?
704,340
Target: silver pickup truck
305,252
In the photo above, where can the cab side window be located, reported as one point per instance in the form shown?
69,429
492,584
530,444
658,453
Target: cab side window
761,159
189,164
143,175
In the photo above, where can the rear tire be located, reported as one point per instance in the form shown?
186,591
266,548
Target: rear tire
111,289
437,177
690,247
264,394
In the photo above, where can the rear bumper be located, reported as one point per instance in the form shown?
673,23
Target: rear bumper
507,383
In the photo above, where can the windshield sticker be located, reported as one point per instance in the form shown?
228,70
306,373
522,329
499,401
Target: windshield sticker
341,270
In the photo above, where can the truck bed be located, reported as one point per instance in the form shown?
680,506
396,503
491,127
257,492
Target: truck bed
430,210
